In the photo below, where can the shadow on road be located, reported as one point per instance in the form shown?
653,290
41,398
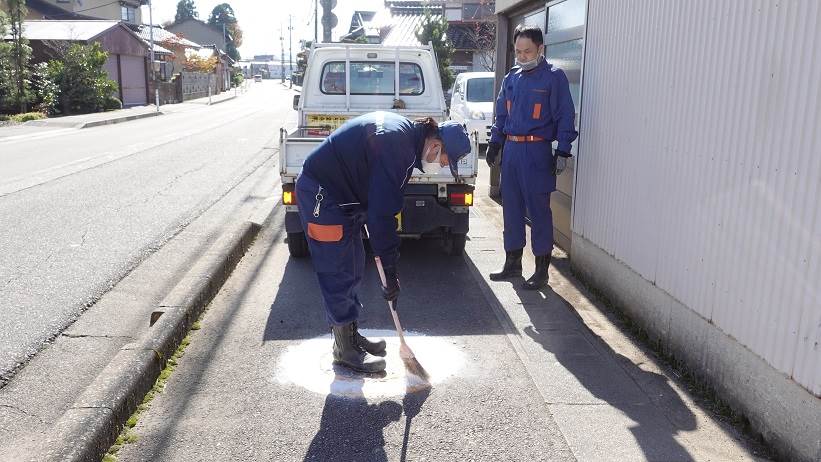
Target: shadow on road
352,428
642,396
439,297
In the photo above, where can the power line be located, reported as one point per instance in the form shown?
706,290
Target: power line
96,7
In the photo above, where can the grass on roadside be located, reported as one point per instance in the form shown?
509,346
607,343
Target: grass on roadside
20,118
127,435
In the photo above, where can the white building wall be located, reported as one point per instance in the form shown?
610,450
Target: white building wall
699,162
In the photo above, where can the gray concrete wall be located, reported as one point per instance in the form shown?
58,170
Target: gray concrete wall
785,414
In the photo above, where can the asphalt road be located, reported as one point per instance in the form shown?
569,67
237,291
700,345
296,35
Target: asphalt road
81,208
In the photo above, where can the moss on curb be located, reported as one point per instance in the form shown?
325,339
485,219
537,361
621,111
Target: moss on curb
127,435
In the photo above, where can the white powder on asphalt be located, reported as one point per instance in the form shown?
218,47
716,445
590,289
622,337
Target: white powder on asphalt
309,364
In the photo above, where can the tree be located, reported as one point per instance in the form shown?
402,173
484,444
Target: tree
434,29
5,64
20,54
186,9
83,83
196,63
223,16
483,36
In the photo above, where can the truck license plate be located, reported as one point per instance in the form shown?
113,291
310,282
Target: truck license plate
329,121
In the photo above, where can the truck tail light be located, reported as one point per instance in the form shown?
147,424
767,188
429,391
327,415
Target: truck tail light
288,194
461,199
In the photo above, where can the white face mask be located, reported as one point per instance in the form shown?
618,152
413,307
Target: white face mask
529,65
432,168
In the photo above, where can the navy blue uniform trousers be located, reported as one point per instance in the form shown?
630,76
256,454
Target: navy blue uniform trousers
334,234
527,181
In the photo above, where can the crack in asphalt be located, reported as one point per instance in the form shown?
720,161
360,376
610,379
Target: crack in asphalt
97,336
21,411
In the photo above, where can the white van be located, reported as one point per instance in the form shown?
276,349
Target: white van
471,102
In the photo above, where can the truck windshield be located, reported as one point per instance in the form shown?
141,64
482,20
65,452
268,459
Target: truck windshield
480,90
373,78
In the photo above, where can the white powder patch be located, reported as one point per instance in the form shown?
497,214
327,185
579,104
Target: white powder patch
309,364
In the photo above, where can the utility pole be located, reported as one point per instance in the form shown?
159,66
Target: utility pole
316,20
282,56
290,50
151,32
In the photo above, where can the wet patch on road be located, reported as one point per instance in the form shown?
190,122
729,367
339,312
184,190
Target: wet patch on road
309,364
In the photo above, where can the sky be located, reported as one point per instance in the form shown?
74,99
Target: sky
260,20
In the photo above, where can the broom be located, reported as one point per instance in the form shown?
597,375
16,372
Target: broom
411,363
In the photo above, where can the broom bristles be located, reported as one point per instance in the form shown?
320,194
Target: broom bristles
412,364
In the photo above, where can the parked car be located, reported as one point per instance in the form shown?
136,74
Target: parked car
471,102
343,81
257,78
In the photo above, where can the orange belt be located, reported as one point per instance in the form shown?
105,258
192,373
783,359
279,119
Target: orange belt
524,138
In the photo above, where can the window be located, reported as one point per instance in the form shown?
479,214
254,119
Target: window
372,78
564,42
480,90
128,14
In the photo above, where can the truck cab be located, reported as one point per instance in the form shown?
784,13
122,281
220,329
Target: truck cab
343,81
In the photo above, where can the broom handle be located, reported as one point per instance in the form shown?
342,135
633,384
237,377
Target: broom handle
390,304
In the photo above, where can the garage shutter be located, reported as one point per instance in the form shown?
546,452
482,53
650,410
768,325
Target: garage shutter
133,75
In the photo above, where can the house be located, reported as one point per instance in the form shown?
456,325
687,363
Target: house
472,33
200,32
127,53
222,72
172,63
471,28
122,10
693,204
363,28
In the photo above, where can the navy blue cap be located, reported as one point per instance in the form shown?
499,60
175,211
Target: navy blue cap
456,141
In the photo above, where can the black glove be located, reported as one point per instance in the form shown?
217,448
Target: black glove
491,153
391,288
559,162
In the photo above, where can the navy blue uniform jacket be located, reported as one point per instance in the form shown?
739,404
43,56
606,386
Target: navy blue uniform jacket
365,165
535,102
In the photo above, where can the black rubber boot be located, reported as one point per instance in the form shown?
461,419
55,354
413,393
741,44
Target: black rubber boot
512,268
539,278
374,347
347,353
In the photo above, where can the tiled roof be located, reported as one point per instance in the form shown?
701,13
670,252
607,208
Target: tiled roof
163,36
403,30
66,30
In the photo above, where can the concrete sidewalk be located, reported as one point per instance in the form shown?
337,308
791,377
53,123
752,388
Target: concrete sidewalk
517,375
98,118
111,117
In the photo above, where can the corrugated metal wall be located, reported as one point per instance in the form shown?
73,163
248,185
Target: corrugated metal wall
700,162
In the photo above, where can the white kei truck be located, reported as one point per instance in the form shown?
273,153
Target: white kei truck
346,80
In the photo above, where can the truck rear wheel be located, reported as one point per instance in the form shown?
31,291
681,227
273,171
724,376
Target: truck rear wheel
297,245
454,244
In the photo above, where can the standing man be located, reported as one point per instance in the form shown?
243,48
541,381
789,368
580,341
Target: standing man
534,108
357,177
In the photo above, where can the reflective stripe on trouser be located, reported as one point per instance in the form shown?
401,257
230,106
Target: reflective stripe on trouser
527,181
339,264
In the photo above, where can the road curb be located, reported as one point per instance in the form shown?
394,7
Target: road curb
91,425
118,120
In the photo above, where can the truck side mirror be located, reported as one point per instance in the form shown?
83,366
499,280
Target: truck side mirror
296,102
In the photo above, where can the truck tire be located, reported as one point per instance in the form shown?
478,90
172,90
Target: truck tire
455,244
297,245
